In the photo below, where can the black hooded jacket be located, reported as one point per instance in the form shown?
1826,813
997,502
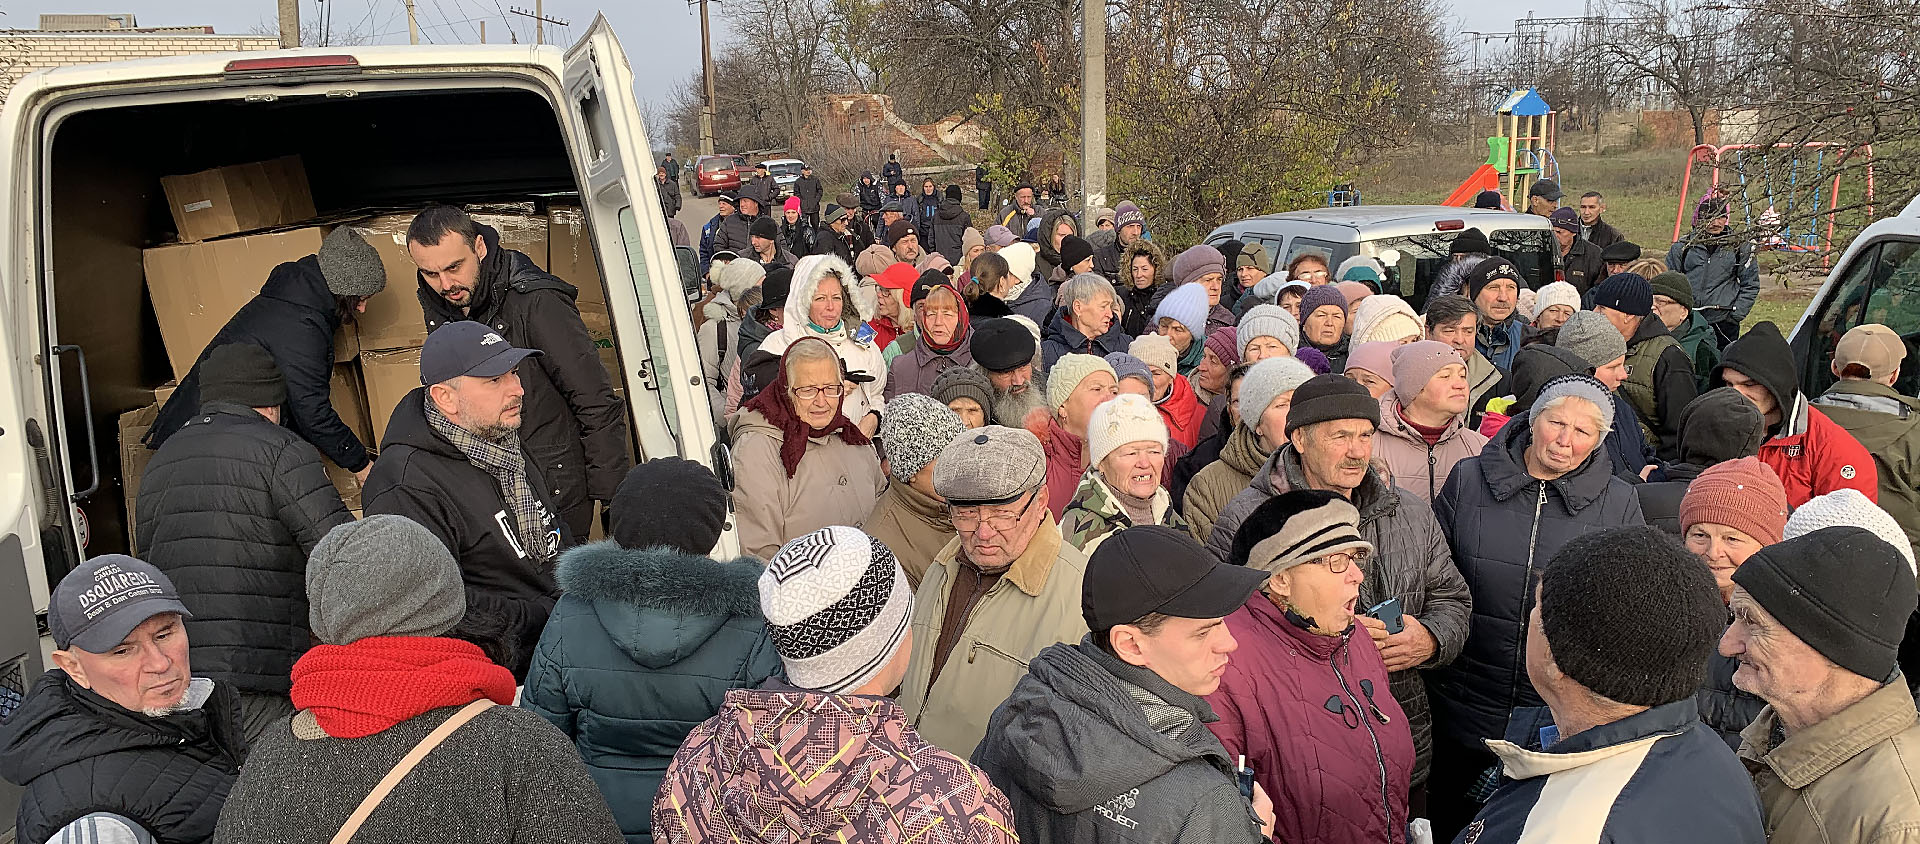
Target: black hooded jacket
809,190
1718,426
77,753
574,428
229,509
425,478
950,224
294,319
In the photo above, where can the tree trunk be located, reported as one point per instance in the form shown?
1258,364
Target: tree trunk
1699,115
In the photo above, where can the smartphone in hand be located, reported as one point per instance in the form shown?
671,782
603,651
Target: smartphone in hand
1389,612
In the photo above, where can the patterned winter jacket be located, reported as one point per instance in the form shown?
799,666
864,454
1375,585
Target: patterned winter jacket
1094,514
787,766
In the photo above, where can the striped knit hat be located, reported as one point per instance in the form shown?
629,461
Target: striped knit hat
837,607
1297,527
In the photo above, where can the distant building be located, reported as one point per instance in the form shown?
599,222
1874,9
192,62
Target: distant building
64,40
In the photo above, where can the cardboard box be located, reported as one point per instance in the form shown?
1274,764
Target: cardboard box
164,392
389,376
134,456
197,287
393,319
350,401
520,232
570,255
600,329
239,198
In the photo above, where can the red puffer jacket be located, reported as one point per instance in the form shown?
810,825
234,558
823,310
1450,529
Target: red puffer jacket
1183,412
1314,718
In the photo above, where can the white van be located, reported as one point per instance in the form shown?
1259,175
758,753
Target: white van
377,127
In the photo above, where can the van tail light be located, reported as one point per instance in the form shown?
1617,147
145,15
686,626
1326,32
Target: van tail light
283,63
1449,225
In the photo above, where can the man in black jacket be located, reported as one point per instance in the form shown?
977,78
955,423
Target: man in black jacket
736,229
121,725
839,238
453,460
1579,260
1594,230
810,191
229,509
575,429
294,318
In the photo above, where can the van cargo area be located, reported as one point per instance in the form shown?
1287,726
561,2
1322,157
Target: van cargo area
363,155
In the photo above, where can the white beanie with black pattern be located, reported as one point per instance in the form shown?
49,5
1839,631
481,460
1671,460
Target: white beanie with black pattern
837,607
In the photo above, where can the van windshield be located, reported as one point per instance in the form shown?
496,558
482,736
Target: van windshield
1422,256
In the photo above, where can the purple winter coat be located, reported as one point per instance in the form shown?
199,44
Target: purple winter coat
1334,777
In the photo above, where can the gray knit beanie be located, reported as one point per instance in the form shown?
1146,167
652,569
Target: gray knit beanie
1267,380
1577,386
1593,338
957,382
382,576
1269,321
913,429
350,265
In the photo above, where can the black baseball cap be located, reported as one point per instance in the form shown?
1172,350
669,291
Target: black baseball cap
1546,189
468,348
1154,569
98,604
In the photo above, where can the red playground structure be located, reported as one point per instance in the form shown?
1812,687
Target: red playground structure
1755,176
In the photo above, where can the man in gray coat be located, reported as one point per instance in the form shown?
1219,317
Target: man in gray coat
1105,741
1330,430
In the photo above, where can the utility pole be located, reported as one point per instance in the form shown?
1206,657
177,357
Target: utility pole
540,20
483,32
706,73
413,25
289,24
1093,102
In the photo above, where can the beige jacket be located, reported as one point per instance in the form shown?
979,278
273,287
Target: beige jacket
913,526
1401,452
1847,780
1035,605
835,484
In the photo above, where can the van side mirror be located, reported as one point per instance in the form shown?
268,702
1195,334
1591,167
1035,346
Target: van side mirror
689,271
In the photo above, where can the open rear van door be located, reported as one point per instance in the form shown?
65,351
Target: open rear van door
644,295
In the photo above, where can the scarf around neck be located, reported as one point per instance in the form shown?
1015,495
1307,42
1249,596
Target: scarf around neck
504,460
359,689
772,403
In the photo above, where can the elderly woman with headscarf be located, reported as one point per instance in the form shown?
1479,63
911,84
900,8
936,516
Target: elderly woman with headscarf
1087,321
938,341
799,464
1308,676
820,305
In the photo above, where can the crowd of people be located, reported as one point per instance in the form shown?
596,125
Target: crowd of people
1050,533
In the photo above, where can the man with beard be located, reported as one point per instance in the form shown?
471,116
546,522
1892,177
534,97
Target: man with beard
1006,353
575,428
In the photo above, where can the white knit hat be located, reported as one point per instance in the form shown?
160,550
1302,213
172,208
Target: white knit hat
1848,507
1266,381
1067,374
1128,418
1557,293
837,608
1269,321
1384,317
1156,350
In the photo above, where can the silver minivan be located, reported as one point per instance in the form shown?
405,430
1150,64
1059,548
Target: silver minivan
377,128
1413,241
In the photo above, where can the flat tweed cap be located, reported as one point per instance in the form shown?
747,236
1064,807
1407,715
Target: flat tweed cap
987,466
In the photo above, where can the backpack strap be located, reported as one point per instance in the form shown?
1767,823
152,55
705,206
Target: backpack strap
406,766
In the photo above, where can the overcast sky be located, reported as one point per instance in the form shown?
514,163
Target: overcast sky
661,37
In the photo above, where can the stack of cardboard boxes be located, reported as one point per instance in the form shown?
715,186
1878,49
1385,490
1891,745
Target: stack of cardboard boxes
196,286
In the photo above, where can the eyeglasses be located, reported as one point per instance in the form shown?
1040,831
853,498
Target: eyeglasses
1339,561
1312,274
832,391
969,519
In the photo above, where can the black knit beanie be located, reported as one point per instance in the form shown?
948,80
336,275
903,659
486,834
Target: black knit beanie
1843,590
1631,616
669,501
243,374
1324,398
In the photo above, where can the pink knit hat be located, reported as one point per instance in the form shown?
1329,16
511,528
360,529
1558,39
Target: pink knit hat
1743,494
792,204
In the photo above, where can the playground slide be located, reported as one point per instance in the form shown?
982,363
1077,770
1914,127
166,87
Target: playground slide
1485,178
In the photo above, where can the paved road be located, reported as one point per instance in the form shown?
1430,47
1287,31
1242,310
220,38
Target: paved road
695,212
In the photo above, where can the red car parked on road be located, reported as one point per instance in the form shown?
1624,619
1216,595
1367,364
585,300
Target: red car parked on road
717,174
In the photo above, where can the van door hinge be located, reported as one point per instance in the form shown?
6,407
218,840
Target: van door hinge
646,376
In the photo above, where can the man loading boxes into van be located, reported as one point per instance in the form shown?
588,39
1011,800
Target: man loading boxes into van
575,429
294,318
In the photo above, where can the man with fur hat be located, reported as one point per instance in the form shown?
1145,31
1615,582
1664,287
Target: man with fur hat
1811,453
910,517
647,608
385,676
976,632
1660,379
1818,620
295,317
1622,755
229,508
826,755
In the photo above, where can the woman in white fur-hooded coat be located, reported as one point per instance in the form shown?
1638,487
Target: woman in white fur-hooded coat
850,337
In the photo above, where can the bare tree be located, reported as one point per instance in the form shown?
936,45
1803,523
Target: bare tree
1692,52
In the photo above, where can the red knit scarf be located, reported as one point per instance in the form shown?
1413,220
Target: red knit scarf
369,686
960,328
772,403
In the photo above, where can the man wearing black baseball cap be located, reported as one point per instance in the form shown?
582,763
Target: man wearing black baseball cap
1544,197
121,725
1130,699
453,461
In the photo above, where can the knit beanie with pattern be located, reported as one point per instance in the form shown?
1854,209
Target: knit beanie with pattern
1631,616
1848,506
913,429
1128,418
1066,375
1324,296
837,607
1225,344
957,382
1268,321
1742,494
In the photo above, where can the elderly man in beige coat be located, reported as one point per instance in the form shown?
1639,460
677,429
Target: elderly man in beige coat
1003,590
1817,623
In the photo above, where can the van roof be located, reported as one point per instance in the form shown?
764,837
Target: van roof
215,64
1363,216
